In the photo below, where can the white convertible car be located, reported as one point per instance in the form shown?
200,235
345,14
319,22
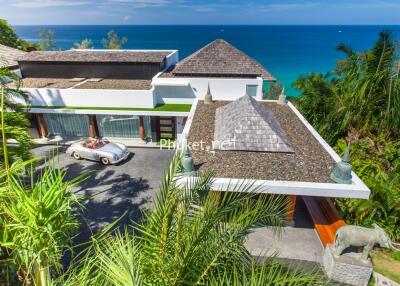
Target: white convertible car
102,151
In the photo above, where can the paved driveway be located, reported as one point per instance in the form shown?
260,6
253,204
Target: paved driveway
124,189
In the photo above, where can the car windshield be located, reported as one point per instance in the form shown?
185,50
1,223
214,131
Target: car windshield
94,143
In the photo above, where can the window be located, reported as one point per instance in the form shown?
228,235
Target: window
67,125
122,126
251,90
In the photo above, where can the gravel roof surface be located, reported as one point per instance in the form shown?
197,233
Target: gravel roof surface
122,84
219,58
117,84
31,82
309,162
117,56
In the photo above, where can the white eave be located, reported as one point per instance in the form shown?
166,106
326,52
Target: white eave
110,112
170,82
357,189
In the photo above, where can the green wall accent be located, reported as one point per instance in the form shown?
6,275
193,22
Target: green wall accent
161,107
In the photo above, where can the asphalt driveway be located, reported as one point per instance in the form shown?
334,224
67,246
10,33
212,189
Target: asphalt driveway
114,191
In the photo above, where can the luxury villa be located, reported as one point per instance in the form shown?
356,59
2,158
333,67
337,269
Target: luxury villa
213,95
131,94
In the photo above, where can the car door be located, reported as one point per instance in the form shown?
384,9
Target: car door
87,153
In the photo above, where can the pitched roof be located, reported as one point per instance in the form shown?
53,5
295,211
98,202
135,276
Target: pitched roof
219,58
98,56
248,125
8,57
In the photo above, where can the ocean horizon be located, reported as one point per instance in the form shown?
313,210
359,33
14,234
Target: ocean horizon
287,51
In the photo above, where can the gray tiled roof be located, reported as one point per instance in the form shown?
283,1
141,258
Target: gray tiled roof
117,56
247,125
8,57
219,58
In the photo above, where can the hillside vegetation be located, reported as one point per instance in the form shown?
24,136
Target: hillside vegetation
359,103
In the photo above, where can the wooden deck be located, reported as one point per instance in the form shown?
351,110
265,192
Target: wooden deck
324,216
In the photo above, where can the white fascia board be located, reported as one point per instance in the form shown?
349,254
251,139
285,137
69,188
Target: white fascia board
189,120
110,112
169,82
287,187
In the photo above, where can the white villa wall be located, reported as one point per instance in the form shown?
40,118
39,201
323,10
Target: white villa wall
171,59
91,97
187,90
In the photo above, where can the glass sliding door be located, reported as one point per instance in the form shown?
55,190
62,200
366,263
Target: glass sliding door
67,125
122,126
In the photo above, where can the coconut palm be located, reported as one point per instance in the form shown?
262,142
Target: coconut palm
193,236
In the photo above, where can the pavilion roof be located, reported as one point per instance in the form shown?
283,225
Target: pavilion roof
221,59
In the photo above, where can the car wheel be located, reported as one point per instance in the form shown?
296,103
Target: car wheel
104,161
76,156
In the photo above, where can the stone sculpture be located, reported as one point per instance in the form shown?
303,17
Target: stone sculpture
342,172
208,97
352,235
186,160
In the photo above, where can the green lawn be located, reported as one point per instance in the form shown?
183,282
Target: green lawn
160,107
386,264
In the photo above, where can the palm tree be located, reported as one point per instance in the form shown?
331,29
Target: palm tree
14,123
37,220
193,236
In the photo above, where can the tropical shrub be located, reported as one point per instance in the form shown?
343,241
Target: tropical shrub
359,103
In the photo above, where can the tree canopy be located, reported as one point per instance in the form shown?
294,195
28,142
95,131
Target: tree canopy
9,37
113,41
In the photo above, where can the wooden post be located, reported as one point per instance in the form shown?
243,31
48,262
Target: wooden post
93,129
42,125
142,134
291,208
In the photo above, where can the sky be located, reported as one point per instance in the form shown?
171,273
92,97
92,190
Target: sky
131,12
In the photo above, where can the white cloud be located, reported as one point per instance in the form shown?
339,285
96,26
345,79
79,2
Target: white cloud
47,3
146,3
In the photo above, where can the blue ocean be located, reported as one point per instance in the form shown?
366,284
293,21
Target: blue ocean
286,51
